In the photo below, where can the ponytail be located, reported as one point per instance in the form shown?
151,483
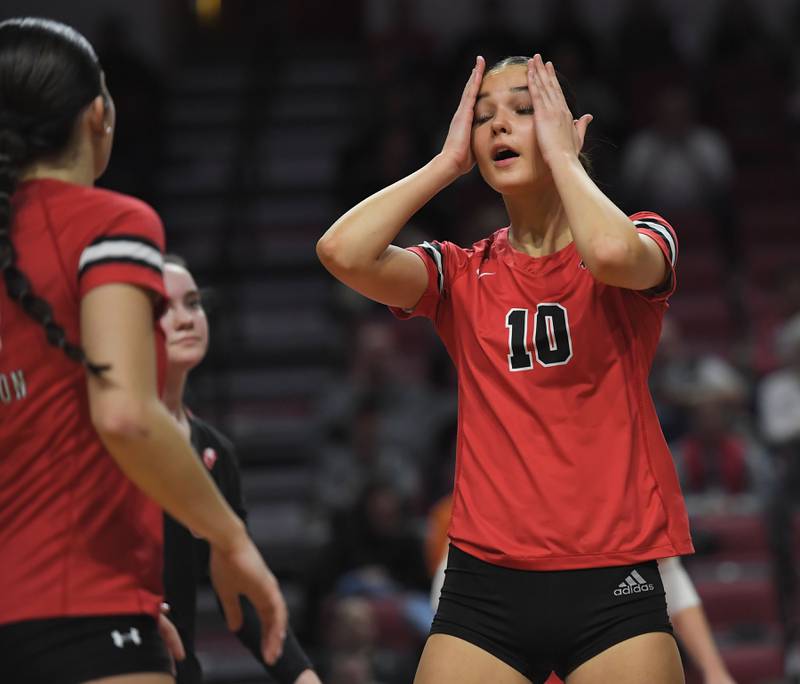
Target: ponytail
48,74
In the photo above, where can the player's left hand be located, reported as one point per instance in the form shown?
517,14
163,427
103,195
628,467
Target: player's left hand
557,133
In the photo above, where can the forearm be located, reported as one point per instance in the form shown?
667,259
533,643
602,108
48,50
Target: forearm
694,632
360,237
604,236
157,457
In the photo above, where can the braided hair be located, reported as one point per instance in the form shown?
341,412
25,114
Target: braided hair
48,74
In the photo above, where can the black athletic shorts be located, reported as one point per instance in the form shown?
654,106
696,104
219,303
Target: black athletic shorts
541,622
76,650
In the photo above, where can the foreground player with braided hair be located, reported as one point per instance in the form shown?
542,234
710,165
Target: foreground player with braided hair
565,492
87,458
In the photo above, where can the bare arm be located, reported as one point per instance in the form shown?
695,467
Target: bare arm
146,443
604,236
357,248
694,632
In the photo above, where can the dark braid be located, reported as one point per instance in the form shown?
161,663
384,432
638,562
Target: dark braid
48,75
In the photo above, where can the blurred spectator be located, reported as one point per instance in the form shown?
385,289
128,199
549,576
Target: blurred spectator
671,380
717,456
779,411
676,165
357,455
350,638
376,548
351,668
771,314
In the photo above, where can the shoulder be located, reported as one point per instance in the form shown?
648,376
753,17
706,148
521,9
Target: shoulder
113,209
205,435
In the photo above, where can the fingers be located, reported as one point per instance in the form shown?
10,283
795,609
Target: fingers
274,618
542,80
583,124
171,638
473,84
232,609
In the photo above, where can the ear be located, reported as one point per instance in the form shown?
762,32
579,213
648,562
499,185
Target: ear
580,127
97,117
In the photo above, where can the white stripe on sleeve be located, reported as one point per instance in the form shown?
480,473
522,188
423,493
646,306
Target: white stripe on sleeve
124,250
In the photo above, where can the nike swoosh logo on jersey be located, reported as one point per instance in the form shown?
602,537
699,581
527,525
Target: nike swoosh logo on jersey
480,275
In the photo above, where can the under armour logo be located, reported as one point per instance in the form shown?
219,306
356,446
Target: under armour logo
121,639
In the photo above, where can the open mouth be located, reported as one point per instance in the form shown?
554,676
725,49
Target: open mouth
505,153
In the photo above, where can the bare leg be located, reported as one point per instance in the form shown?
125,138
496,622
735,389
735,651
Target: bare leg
651,658
449,660
143,678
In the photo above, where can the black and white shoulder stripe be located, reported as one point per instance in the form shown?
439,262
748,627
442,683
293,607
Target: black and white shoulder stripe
124,249
434,251
664,231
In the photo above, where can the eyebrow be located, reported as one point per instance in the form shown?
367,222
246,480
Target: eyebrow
515,89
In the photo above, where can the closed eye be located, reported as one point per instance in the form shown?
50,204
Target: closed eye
478,120
525,110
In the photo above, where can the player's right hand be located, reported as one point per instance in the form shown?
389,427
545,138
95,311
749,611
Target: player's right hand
457,148
240,570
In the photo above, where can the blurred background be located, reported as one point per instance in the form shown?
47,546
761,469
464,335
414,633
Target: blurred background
250,125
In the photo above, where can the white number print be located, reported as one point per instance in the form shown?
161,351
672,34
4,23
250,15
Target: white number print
551,340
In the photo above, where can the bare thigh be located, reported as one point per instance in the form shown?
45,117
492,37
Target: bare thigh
651,658
142,678
449,660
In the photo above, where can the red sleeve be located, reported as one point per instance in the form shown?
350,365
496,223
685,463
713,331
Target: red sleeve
128,248
663,234
437,259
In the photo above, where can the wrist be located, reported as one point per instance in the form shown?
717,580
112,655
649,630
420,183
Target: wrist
446,169
231,538
564,161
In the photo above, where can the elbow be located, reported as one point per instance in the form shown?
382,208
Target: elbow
326,250
610,257
334,256
120,421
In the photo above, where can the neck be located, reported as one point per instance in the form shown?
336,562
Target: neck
173,391
538,221
75,166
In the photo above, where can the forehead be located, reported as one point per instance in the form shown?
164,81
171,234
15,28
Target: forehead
508,79
177,280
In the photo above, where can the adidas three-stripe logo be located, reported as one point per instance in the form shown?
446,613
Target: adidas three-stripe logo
634,584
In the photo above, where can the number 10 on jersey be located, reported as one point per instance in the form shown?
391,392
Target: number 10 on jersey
550,339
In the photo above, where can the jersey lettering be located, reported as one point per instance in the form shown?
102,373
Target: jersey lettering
551,338
12,386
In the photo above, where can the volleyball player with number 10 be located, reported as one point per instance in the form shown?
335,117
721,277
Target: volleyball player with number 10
565,492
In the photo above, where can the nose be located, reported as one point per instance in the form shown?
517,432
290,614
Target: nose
183,318
500,123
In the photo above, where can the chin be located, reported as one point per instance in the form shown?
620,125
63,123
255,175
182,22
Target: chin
185,361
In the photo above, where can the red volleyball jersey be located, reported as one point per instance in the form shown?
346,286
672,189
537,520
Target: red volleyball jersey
561,462
76,536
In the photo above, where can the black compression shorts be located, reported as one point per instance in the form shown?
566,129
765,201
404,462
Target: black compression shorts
76,650
541,622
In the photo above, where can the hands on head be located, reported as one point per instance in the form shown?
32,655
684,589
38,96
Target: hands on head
557,132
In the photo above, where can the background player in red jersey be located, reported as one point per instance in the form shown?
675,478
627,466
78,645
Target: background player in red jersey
565,492
85,456
185,327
